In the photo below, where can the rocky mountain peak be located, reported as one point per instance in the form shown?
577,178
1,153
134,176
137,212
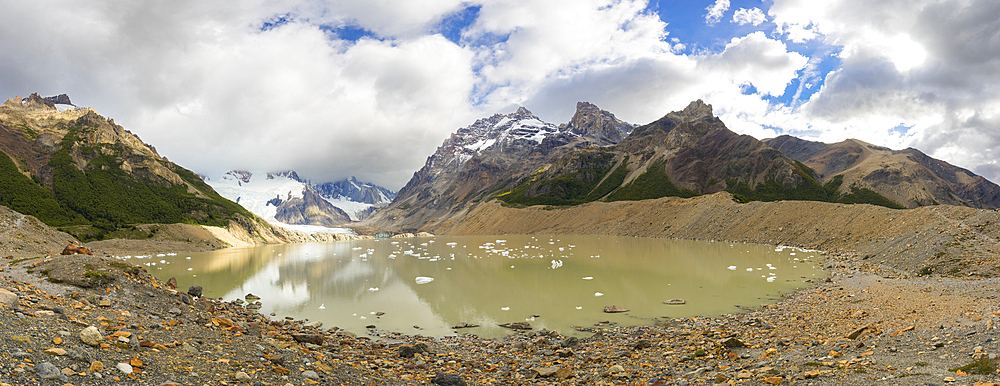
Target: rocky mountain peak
61,99
522,111
694,110
589,120
35,102
290,174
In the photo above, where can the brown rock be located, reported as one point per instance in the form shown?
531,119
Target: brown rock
135,362
56,351
551,372
675,302
172,283
732,343
615,309
96,367
76,249
642,343
861,331
281,370
774,380
316,339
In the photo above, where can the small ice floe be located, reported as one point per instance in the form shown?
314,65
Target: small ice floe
451,244
771,279
356,248
512,266
505,308
598,294
579,308
731,267
424,279
449,268
792,254
373,289
160,255
190,269
187,258
749,269
556,264
323,307
588,278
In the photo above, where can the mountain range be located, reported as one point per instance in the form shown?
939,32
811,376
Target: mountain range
522,161
76,170
287,199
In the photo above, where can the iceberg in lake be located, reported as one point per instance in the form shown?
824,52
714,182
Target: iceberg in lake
424,279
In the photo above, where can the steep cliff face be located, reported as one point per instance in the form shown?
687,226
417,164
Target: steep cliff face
907,177
77,168
482,159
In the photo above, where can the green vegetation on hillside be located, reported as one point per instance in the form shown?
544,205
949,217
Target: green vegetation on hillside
580,186
857,195
24,195
654,183
103,199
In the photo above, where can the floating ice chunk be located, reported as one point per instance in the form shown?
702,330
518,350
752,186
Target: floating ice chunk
749,269
373,289
190,269
424,279
731,267
769,267
556,264
364,317
771,279
323,307
505,308
792,254
579,308
187,258
598,294
451,244
449,268
512,266
160,255
588,278
356,248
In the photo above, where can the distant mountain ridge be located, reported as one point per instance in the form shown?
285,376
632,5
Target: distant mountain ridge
908,177
522,160
286,198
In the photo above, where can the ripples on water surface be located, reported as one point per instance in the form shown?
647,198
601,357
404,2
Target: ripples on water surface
438,282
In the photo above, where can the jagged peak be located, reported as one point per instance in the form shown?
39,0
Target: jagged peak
522,111
697,109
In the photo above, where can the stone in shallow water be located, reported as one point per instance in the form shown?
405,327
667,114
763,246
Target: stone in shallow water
615,309
517,326
675,302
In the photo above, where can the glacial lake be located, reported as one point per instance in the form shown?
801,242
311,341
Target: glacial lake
427,285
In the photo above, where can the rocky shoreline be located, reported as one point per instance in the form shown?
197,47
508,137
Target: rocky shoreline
865,325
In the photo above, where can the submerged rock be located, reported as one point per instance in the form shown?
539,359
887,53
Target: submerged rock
615,309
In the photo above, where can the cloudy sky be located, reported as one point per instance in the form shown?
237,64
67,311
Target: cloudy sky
371,87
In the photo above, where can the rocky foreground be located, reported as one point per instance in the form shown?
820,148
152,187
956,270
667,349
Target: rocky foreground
85,320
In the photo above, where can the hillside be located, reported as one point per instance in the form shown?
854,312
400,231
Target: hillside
92,178
908,177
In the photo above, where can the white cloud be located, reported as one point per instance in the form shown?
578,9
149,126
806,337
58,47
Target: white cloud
753,16
929,66
716,11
